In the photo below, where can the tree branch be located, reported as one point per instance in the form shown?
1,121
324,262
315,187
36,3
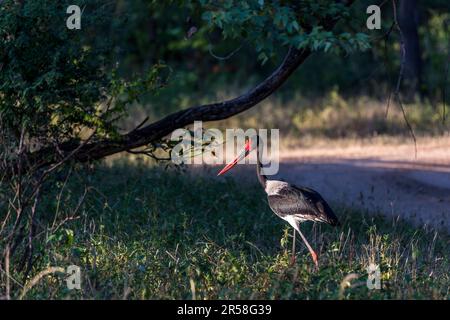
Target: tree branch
159,129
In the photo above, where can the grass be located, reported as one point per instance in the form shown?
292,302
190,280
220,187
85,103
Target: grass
146,233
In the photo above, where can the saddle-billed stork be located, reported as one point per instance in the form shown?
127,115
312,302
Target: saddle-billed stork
291,203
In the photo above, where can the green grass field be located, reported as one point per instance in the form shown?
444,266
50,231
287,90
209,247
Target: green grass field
146,233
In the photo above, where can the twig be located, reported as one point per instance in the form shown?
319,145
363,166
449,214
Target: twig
59,197
139,125
150,154
400,77
444,92
8,284
346,283
61,162
228,56
386,38
29,250
11,278
38,277
73,215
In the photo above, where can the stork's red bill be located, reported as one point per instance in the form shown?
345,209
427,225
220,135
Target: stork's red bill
244,153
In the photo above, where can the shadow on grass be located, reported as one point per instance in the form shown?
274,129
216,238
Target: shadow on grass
146,233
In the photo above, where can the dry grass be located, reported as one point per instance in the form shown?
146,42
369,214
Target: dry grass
334,117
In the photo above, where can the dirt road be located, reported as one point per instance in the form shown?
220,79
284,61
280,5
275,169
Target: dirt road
385,178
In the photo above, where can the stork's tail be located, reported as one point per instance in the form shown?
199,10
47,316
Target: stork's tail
334,222
331,219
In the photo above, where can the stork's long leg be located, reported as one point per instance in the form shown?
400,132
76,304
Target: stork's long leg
295,224
293,247
313,253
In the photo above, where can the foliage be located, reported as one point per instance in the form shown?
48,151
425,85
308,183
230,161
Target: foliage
436,47
55,81
51,78
202,77
269,24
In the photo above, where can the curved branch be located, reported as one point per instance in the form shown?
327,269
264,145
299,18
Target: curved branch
159,129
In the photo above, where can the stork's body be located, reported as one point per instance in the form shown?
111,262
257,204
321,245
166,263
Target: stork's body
291,203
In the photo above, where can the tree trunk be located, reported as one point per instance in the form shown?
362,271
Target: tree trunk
408,21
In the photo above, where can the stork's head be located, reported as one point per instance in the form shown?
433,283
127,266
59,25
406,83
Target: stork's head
250,145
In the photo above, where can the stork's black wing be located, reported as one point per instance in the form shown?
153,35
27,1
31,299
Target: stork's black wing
302,203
